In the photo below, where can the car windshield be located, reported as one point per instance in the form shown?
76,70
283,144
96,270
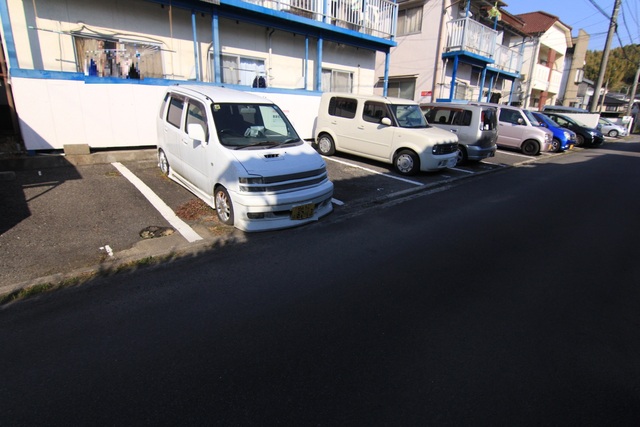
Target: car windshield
252,125
408,116
531,117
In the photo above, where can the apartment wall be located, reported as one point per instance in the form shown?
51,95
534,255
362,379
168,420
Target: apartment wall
73,108
416,54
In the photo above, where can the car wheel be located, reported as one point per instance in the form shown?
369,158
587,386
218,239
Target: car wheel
579,140
530,147
462,156
224,206
163,163
613,133
406,162
326,147
556,145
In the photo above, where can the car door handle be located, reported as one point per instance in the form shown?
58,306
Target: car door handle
361,127
454,130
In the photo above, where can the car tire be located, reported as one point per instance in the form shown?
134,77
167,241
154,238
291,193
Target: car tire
613,133
530,147
462,156
406,162
556,145
579,140
326,146
163,163
224,205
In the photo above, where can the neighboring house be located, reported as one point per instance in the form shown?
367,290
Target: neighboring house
84,72
573,73
454,50
544,59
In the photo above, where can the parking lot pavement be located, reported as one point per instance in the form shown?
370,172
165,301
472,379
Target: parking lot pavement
68,215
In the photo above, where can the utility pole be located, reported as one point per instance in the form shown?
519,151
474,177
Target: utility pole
633,92
613,24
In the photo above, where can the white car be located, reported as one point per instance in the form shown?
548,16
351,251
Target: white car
607,127
240,154
389,130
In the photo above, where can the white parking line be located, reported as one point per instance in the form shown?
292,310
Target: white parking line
168,214
462,170
515,154
372,171
337,202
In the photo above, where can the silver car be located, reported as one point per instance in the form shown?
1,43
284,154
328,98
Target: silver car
607,127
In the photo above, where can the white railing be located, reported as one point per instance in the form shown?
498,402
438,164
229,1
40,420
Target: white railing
554,82
471,36
374,17
507,59
540,78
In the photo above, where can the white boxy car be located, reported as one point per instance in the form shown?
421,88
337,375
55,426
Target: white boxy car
390,130
239,153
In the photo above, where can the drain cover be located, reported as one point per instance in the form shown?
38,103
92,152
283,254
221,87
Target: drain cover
156,231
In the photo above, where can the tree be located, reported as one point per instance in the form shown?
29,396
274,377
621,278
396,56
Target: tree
621,68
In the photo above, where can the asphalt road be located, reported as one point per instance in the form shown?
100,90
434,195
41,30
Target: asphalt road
510,299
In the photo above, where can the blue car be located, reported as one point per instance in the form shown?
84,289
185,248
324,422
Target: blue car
563,138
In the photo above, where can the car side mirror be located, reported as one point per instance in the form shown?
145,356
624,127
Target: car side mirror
520,121
385,121
196,132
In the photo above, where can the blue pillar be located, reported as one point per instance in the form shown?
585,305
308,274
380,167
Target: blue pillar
196,51
217,69
482,81
490,88
12,57
452,89
385,87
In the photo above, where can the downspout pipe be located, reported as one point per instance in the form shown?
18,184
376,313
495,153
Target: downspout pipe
196,51
306,62
319,66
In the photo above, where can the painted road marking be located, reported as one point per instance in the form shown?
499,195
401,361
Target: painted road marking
516,154
373,171
168,214
462,170
337,202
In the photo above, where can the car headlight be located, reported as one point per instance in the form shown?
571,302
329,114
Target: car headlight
251,184
567,135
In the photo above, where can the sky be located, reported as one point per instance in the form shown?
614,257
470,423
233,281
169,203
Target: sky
584,14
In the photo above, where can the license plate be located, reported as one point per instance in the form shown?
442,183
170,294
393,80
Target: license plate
302,211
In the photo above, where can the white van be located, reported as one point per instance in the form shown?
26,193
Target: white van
239,153
391,130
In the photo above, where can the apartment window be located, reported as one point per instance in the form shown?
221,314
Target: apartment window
409,21
337,81
239,70
401,88
102,57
